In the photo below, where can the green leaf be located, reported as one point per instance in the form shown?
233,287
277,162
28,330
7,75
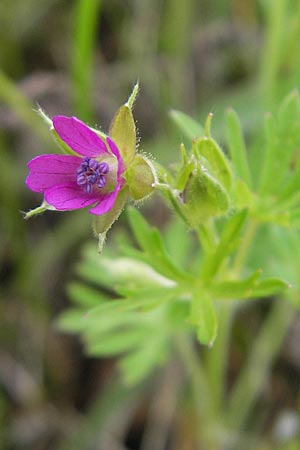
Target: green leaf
122,306
289,195
118,342
97,325
175,232
155,254
189,127
123,133
84,295
243,197
72,321
237,148
237,289
150,296
203,316
269,286
282,138
294,218
140,363
228,242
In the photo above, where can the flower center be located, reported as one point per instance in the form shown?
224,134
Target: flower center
91,174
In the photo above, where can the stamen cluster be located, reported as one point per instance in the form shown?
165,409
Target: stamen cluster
91,174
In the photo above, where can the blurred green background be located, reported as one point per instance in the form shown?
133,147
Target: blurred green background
82,58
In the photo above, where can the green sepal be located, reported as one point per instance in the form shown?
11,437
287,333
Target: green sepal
204,197
218,164
203,316
185,170
38,210
140,178
101,224
132,98
123,133
64,147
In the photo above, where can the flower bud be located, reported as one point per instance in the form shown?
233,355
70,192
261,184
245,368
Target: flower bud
203,196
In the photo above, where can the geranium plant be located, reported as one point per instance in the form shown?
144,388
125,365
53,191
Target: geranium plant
174,287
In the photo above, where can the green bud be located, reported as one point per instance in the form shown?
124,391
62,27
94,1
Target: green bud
140,178
204,196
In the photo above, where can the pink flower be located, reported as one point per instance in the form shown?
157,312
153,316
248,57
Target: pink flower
68,182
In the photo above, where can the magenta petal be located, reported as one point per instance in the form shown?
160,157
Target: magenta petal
68,197
78,136
106,203
49,170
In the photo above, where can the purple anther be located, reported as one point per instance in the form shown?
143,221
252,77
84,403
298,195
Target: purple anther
88,188
92,178
103,168
91,174
101,181
93,164
81,179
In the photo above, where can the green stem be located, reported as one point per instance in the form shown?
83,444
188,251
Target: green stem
217,357
242,253
206,418
254,374
115,398
207,237
216,362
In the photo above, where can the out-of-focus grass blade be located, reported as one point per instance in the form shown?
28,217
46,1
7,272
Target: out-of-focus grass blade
189,127
22,107
85,27
237,146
